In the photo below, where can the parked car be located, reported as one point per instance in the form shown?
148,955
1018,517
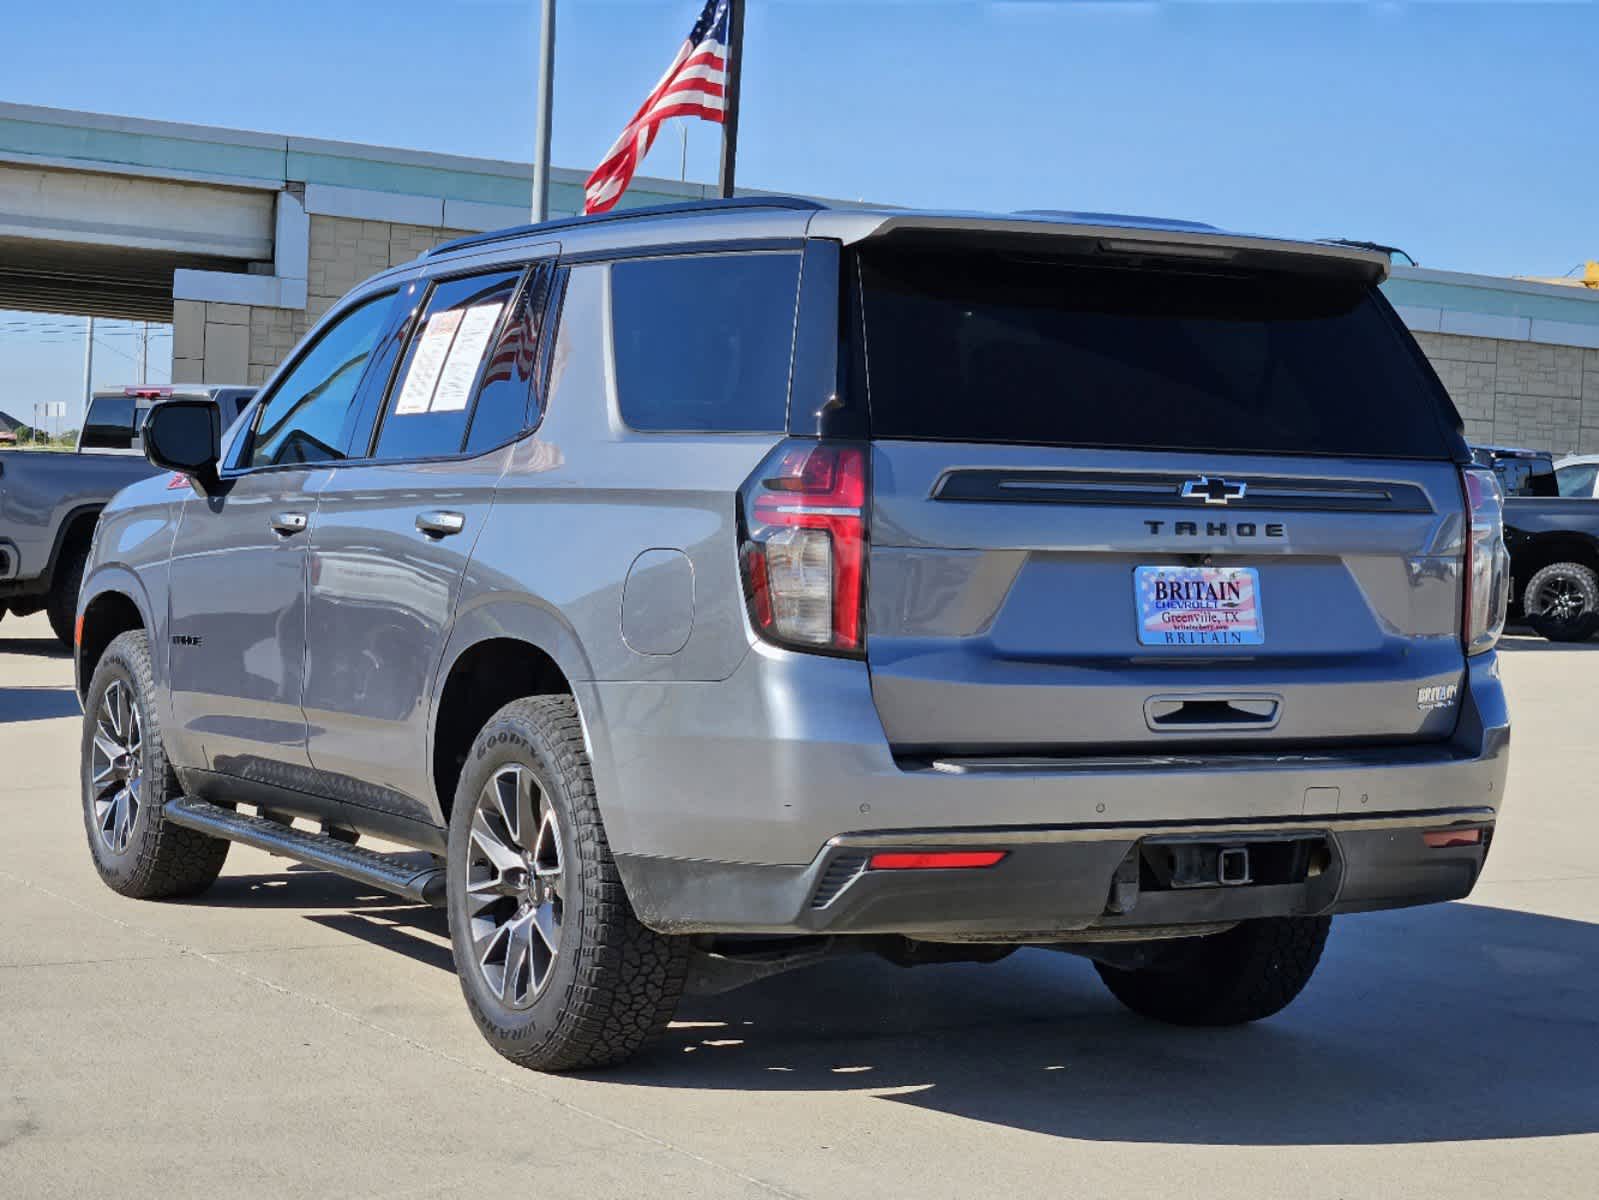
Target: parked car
1577,476
51,500
1146,610
1553,539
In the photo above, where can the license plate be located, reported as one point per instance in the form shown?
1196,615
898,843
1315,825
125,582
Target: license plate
1198,606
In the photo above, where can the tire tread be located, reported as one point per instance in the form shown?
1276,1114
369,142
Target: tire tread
628,979
1250,972
171,861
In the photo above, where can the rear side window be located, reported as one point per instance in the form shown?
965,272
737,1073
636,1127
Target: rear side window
1000,348
429,403
1520,476
703,342
508,391
108,424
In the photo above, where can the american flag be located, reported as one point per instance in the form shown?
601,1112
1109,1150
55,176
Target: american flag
693,86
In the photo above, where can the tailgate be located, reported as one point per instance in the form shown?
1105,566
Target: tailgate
1136,503
1005,600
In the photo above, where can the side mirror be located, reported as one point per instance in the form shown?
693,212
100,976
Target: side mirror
185,435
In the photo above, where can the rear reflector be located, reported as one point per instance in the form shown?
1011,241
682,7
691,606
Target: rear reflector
935,860
1439,839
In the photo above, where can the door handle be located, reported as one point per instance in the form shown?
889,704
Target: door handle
436,523
288,523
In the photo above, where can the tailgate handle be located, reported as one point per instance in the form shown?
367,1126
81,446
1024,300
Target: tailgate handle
1187,714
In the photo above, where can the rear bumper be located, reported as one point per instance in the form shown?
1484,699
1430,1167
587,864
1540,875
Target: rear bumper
726,802
1061,883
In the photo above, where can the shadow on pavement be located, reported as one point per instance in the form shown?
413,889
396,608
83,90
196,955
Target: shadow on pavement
1457,1022
353,908
34,647
37,703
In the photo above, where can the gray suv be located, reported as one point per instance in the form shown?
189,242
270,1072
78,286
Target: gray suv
698,592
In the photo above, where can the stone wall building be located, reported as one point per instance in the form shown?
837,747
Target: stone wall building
1520,358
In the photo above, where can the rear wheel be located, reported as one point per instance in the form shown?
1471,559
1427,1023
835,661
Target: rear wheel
63,601
1561,602
1253,970
127,781
557,970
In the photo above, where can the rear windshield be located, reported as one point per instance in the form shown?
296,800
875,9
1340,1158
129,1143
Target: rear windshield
996,348
109,424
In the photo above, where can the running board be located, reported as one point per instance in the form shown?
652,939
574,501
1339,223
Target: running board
385,871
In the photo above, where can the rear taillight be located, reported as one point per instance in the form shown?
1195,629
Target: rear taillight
1486,575
803,549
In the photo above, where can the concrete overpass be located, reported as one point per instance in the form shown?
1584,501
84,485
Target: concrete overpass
242,240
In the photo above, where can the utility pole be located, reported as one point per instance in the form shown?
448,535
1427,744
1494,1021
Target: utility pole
144,352
88,366
541,132
735,68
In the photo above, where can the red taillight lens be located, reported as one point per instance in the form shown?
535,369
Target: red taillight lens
935,860
804,546
1485,590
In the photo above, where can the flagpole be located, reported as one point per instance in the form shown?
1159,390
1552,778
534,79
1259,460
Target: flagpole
735,68
541,144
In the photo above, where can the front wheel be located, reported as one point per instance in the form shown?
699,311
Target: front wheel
127,781
556,969
1253,970
1561,602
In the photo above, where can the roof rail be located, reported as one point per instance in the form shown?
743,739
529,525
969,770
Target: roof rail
628,214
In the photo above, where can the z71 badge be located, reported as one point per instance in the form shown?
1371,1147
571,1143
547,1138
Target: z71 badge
1440,695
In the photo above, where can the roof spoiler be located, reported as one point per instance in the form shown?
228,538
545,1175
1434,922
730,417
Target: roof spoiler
1147,239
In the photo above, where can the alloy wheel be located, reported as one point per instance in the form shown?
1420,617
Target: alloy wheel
514,886
117,767
1560,600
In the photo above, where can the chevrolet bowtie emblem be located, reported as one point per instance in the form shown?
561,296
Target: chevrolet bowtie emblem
1213,491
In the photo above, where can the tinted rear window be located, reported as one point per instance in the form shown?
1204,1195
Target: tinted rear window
703,342
109,424
992,348
1526,476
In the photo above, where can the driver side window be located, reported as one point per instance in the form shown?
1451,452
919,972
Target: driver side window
306,418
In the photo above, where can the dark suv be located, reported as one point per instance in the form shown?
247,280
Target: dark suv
718,587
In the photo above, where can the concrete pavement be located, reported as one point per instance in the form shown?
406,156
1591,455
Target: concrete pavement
290,1034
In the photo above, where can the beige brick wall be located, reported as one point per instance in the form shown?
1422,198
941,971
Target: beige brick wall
234,343
1520,393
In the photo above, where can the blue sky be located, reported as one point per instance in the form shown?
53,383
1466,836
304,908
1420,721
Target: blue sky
1461,132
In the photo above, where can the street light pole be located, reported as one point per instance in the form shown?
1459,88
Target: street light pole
541,133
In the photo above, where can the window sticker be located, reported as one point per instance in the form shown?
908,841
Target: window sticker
427,363
471,340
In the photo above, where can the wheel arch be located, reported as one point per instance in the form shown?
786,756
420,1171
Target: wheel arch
497,652
76,526
112,601
1550,548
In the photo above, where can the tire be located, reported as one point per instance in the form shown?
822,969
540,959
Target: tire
1254,970
139,853
64,589
1561,602
528,853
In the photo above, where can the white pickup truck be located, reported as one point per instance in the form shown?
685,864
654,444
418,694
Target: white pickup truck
51,500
